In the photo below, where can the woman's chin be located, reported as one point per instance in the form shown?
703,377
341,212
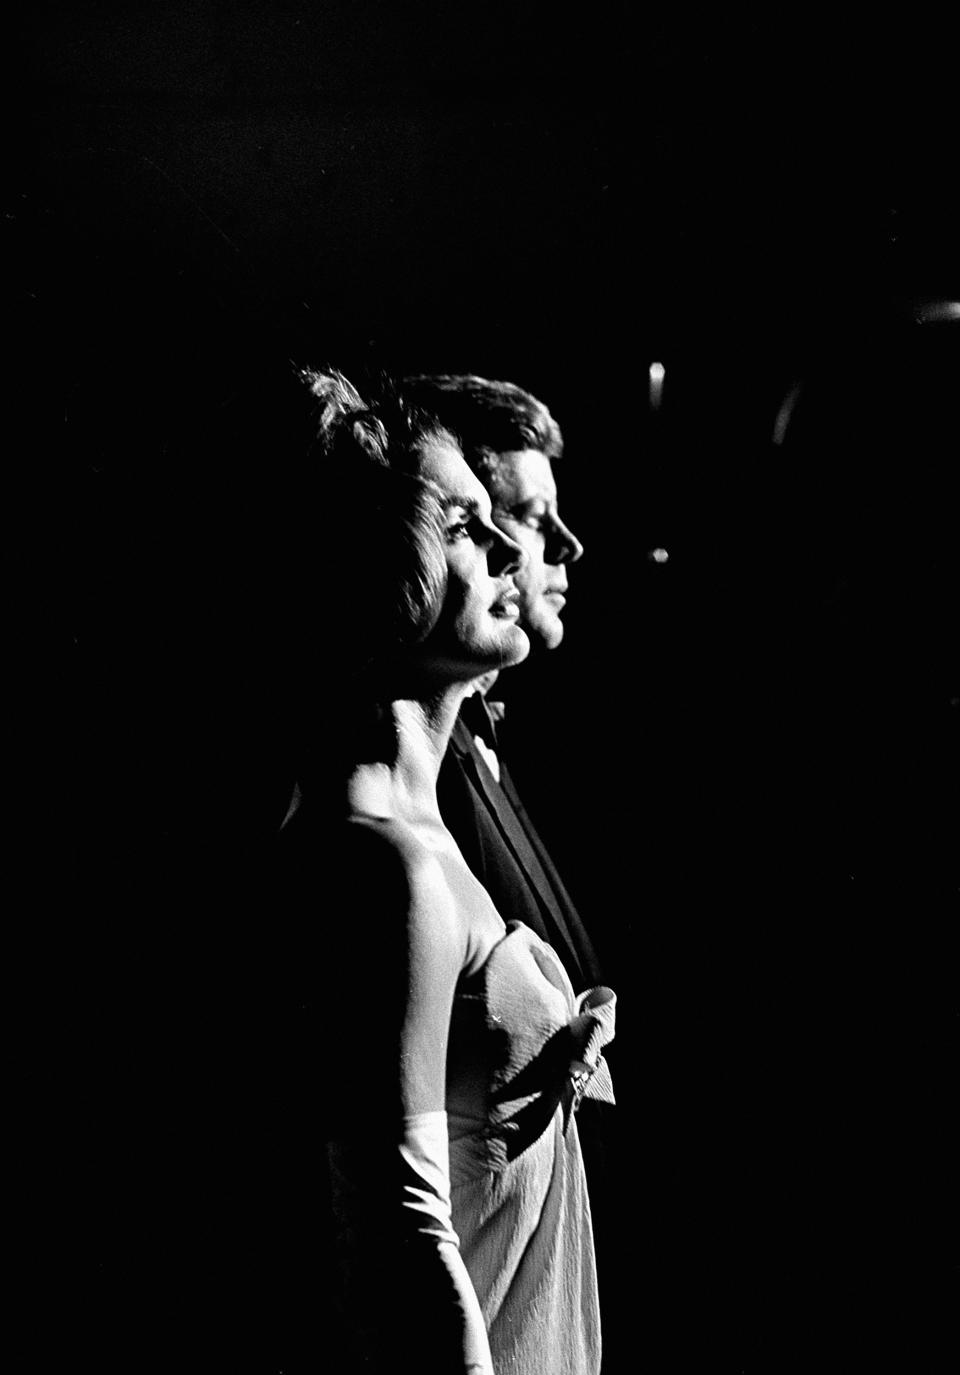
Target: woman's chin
515,648
509,645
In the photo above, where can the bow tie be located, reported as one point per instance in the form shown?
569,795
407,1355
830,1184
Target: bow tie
479,716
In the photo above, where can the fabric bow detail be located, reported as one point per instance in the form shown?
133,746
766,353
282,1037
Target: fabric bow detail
590,1030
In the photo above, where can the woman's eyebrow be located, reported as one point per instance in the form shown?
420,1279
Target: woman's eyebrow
468,504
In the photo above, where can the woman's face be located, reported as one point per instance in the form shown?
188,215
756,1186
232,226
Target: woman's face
477,629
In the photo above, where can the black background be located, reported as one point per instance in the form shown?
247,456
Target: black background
744,757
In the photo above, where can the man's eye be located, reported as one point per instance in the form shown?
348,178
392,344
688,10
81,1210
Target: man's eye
531,520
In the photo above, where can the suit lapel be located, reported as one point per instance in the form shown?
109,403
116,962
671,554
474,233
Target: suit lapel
501,808
562,903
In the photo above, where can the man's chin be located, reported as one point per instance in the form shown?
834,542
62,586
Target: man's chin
545,631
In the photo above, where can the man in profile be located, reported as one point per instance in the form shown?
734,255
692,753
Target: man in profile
511,441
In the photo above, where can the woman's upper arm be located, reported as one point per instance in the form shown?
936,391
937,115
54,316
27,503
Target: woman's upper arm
409,1299
402,946
436,948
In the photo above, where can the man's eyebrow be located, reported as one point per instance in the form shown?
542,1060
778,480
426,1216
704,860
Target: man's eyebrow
524,504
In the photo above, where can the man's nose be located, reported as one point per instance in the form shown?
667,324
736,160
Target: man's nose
562,544
506,555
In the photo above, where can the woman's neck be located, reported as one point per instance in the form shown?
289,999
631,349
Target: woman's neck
404,787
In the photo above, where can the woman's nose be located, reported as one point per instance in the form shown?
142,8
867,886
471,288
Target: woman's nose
562,545
506,555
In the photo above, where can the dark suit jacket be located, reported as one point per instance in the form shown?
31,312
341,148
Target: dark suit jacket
501,846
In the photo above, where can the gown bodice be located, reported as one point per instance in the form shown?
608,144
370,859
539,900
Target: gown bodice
523,1050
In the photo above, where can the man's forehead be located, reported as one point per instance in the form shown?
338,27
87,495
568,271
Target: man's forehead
523,475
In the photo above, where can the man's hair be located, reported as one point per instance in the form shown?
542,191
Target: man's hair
488,418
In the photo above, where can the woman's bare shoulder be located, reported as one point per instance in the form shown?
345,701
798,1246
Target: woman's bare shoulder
385,862
385,843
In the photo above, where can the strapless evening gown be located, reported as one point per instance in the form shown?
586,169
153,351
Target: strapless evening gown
523,1050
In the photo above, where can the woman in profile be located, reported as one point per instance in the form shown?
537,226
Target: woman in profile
455,1050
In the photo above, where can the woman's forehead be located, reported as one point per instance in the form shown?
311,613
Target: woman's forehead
442,463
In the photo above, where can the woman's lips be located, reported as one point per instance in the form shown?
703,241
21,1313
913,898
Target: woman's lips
507,606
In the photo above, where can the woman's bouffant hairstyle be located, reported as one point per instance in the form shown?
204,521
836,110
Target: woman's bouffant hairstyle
487,418
381,525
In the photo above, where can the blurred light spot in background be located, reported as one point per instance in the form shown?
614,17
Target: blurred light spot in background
937,312
785,413
657,373
657,555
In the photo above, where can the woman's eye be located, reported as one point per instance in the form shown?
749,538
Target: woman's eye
458,531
